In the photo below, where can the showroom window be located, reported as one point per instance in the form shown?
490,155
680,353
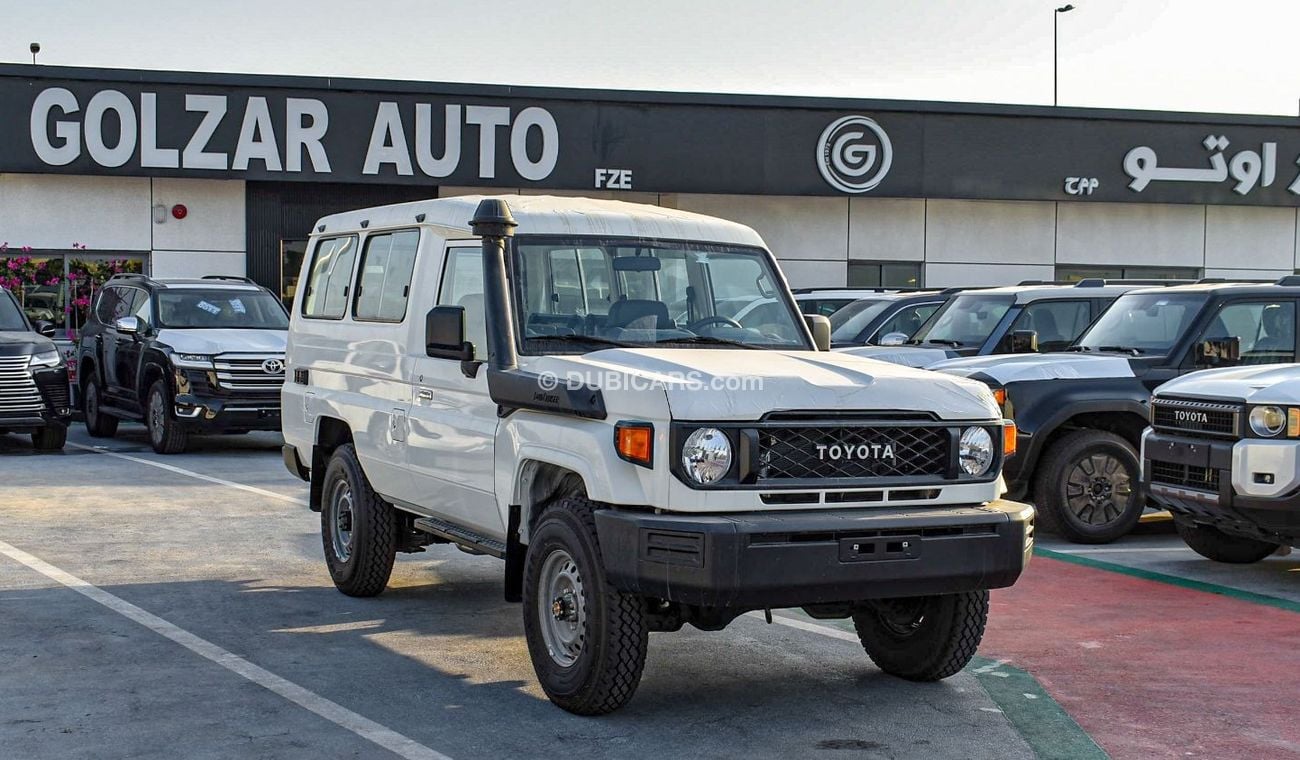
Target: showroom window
1069,273
60,286
884,274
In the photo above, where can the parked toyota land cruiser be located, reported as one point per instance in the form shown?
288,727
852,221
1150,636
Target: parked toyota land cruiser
1081,413
1020,319
531,397
1223,456
33,379
184,357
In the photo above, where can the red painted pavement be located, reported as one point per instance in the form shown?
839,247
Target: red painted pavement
1150,669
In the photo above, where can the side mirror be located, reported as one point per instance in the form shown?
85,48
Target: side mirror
44,327
1024,342
820,327
893,339
444,334
1220,352
127,325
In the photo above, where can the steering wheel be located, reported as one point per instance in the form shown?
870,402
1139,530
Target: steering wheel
716,319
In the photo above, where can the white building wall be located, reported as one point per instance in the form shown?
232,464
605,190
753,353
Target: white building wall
887,229
210,239
1138,234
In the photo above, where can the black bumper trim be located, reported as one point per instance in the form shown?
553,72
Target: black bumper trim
232,413
790,559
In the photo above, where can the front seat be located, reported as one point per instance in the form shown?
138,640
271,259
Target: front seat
639,314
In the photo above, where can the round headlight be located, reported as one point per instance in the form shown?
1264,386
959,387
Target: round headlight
976,451
706,456
1268,421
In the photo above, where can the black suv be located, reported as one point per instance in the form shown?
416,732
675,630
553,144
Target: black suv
183,356
33,378
1081,412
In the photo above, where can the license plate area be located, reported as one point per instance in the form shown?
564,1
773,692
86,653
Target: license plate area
1180,452
879,548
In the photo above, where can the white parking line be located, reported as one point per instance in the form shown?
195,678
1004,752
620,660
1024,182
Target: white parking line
308,700
191,473
1121,550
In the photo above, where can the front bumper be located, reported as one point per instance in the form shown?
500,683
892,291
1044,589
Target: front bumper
791,559
1211,497
55,403
214,415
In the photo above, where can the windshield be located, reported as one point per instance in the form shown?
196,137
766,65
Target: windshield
645,293
11,318
221,308
1149,323
965,320
853,319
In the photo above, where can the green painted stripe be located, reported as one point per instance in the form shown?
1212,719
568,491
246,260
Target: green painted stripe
1173,580
1044,725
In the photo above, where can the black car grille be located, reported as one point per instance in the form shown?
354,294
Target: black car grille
1185,476
853,452
1188,416
54,387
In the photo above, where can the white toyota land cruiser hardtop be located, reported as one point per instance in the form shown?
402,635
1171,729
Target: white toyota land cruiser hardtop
569,399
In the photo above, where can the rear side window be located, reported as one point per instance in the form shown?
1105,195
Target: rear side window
384,279
329,277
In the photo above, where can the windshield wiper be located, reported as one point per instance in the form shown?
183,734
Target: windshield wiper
709,339
1122,350
943,342
583,339
1077,348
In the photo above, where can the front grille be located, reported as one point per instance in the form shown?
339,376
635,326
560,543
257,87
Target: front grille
1185,476
19,396
246,373
853,452
54,387
1187,416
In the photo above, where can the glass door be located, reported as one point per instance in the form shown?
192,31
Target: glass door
291,253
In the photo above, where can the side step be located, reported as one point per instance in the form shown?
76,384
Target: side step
120,413
461,536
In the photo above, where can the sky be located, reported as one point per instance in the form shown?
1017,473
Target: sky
1188,55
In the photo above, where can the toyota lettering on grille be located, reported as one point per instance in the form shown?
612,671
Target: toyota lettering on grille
1184,415
866,452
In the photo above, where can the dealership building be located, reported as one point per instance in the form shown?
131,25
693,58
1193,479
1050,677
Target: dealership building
183,174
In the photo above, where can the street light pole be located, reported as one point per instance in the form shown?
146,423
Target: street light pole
1058,12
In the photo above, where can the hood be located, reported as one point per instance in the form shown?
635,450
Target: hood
1268,384
1019,368
22,343
726,384
908,356
221,341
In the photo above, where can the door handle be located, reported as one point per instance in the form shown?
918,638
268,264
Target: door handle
426,394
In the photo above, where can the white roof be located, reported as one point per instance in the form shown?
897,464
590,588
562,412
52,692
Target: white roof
550,215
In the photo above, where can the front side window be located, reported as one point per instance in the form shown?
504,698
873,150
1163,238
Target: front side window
1143,323
329,278
965,321
1057,324
851,320
906,322
229,308
1264,333
384,277
462,285
11,317
581,294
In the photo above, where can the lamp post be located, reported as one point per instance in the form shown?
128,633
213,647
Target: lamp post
1055,15
35,47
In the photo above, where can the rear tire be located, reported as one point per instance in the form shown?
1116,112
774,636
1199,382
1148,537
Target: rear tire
50,438
1085,490
98,424
358,528
1212,543
923,638
166,434
587,640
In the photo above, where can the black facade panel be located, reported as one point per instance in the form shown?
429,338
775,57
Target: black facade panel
276,211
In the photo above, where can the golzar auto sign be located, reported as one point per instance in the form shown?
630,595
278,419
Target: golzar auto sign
111,129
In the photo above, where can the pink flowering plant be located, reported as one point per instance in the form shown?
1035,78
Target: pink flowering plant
44,289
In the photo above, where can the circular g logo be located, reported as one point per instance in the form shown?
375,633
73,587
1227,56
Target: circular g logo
854,154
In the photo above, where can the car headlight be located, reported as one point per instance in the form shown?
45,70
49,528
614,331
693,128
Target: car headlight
48,358
706,455
192,361
1268,421
975,451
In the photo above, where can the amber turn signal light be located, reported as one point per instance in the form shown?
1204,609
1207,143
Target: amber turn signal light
1293,422
635,442
1000,396
1008,438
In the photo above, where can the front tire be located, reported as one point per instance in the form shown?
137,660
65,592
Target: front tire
587,640
358,528
923,638
166,434
1212,543
1085,490
50,438
98,424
